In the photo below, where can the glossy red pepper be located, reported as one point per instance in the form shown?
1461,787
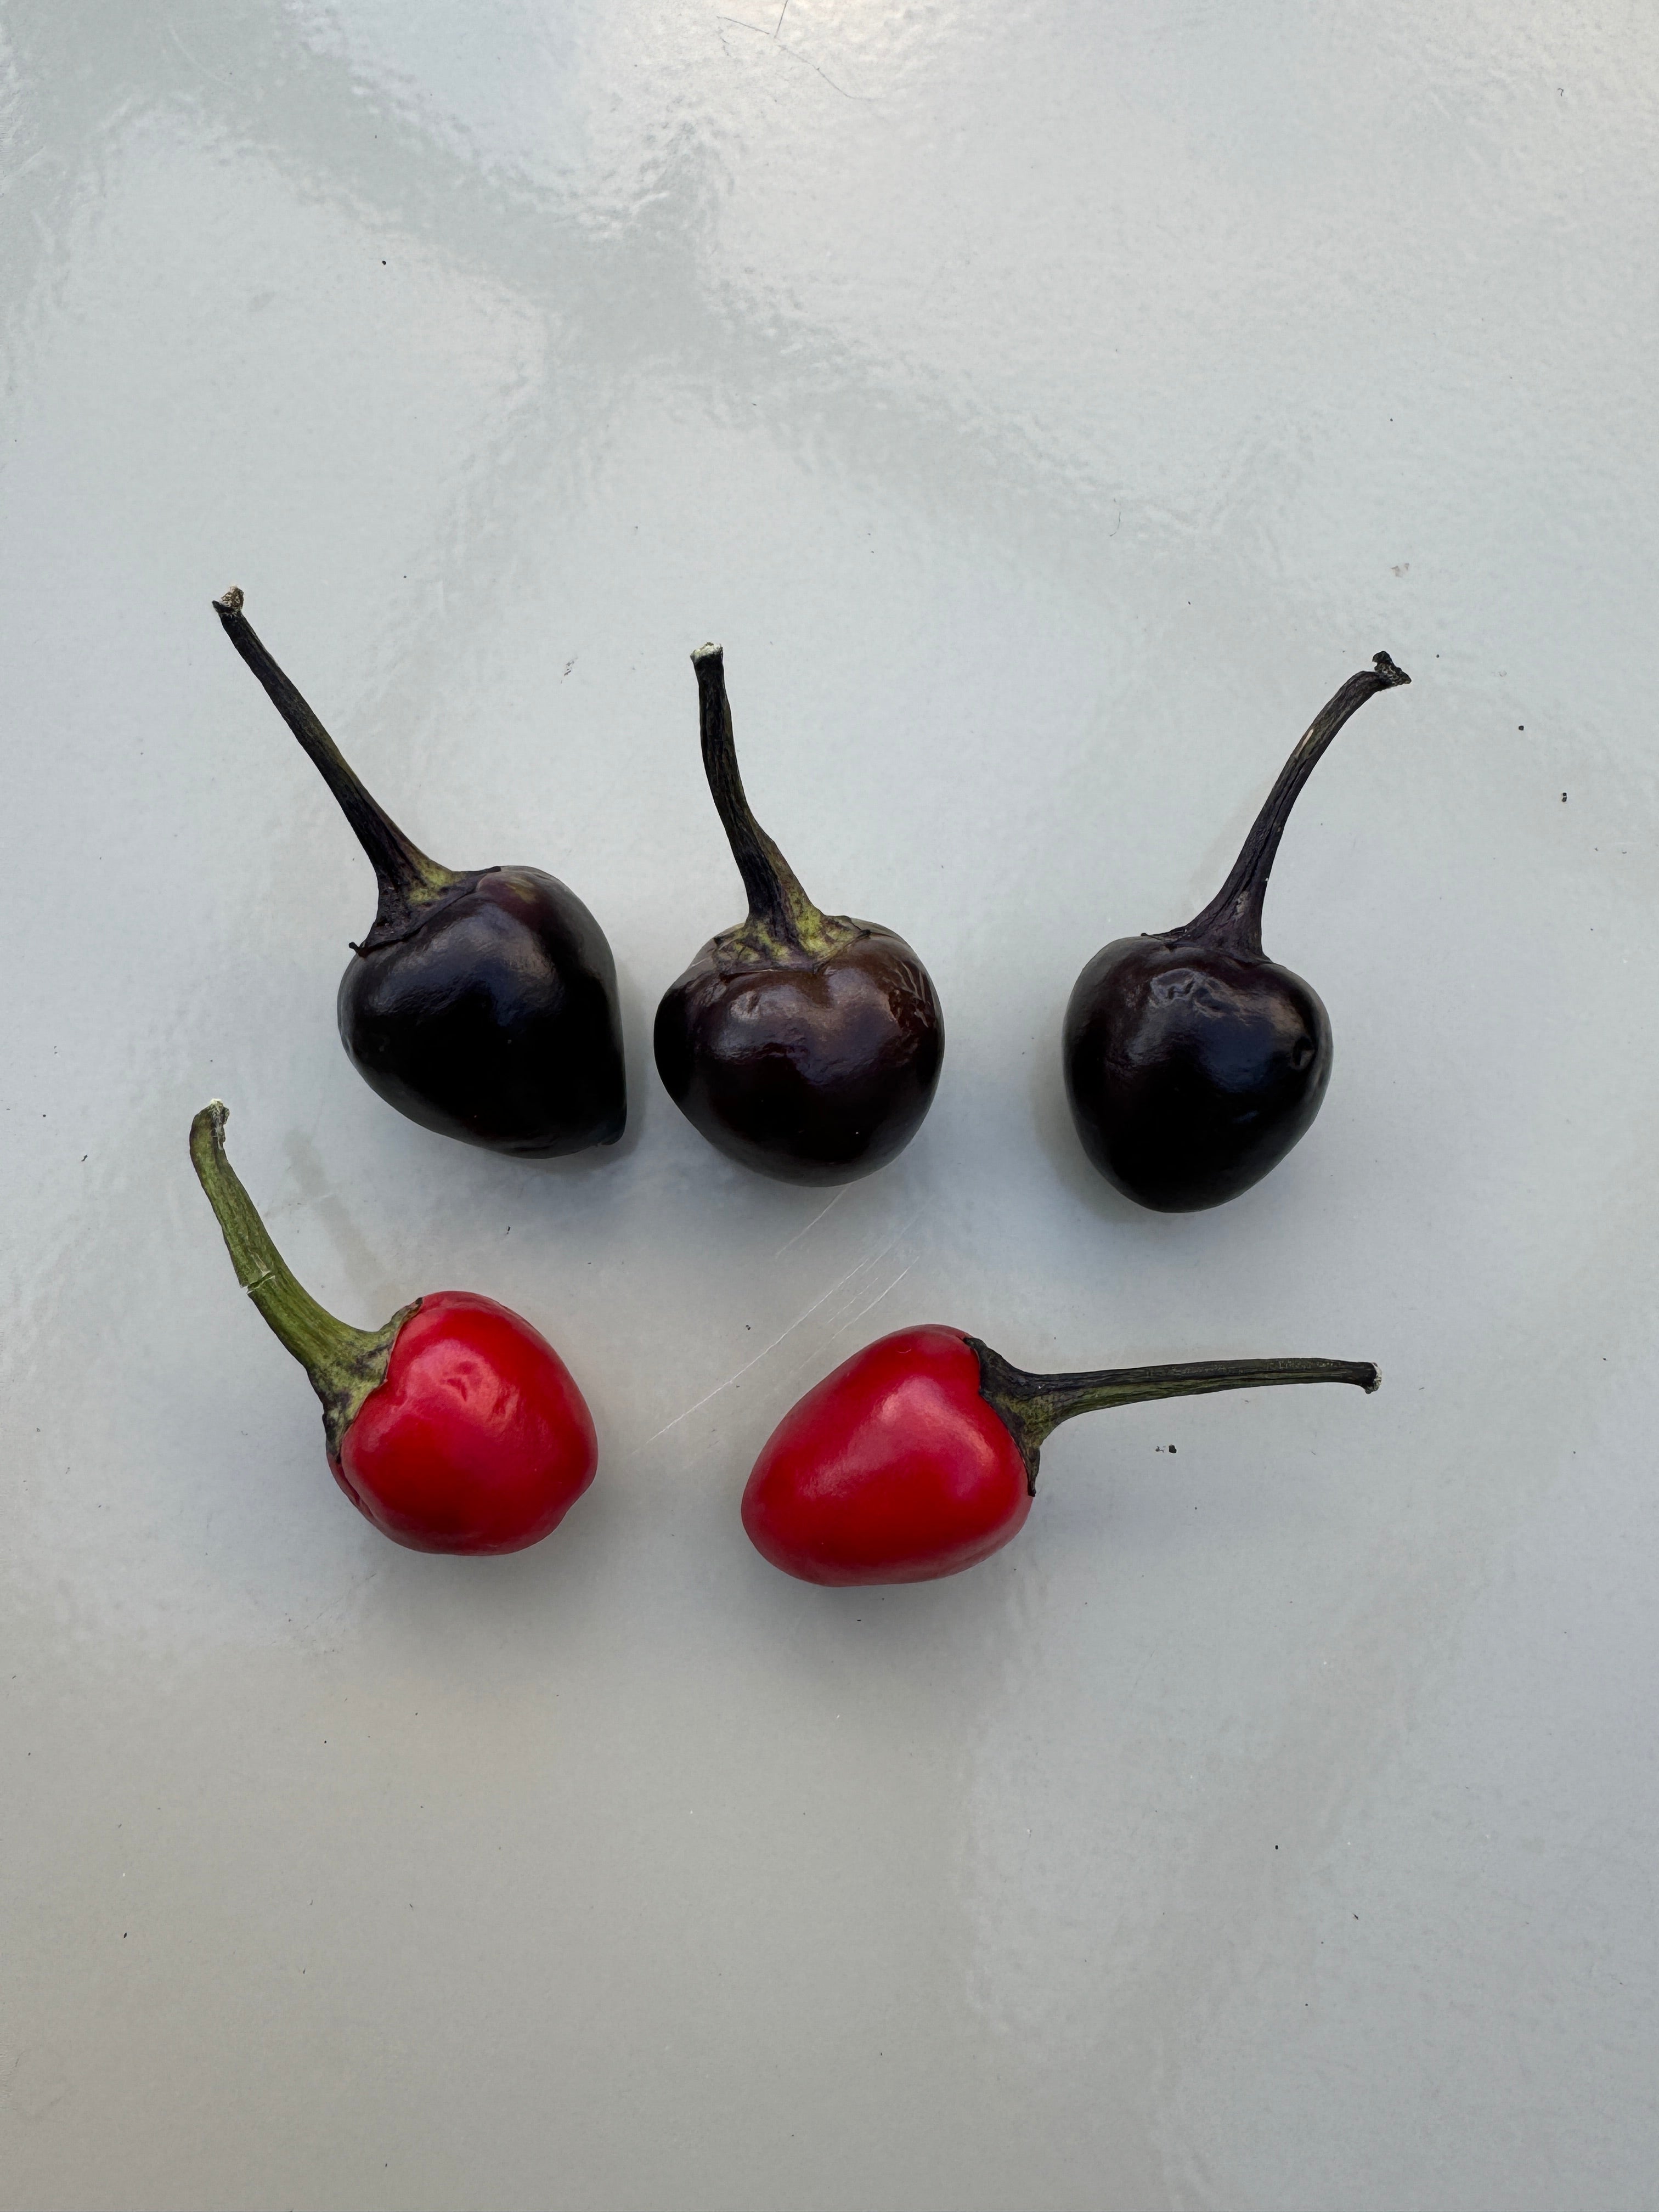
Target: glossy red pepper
918,1456
455,1428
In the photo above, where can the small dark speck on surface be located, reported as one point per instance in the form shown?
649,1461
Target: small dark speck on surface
1564,799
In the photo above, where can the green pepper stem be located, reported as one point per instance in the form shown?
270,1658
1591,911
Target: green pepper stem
1233,917
344,1363
1034,1405
777,904
409,881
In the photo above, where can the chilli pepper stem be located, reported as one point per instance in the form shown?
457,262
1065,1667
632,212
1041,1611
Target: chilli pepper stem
344,1363
311,1333
777,904
1033,1405
409,879
1233,917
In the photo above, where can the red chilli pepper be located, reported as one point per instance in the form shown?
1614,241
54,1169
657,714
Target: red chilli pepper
918,1457
455,1428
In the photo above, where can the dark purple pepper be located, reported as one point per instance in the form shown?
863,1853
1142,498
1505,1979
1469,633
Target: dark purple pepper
807,1045
482,1004
1194,1062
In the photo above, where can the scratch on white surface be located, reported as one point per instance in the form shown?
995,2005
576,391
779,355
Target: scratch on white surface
841,1328
822,1299
213,75
22,168
791,53
814,1221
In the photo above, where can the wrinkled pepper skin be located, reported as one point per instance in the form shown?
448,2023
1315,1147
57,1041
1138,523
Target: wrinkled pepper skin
803,1044
816,1072
453,1427
1191,1071
477,1441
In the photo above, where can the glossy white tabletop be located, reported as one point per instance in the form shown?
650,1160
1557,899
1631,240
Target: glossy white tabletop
1047,406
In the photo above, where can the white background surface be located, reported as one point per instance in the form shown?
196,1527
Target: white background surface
1047,406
